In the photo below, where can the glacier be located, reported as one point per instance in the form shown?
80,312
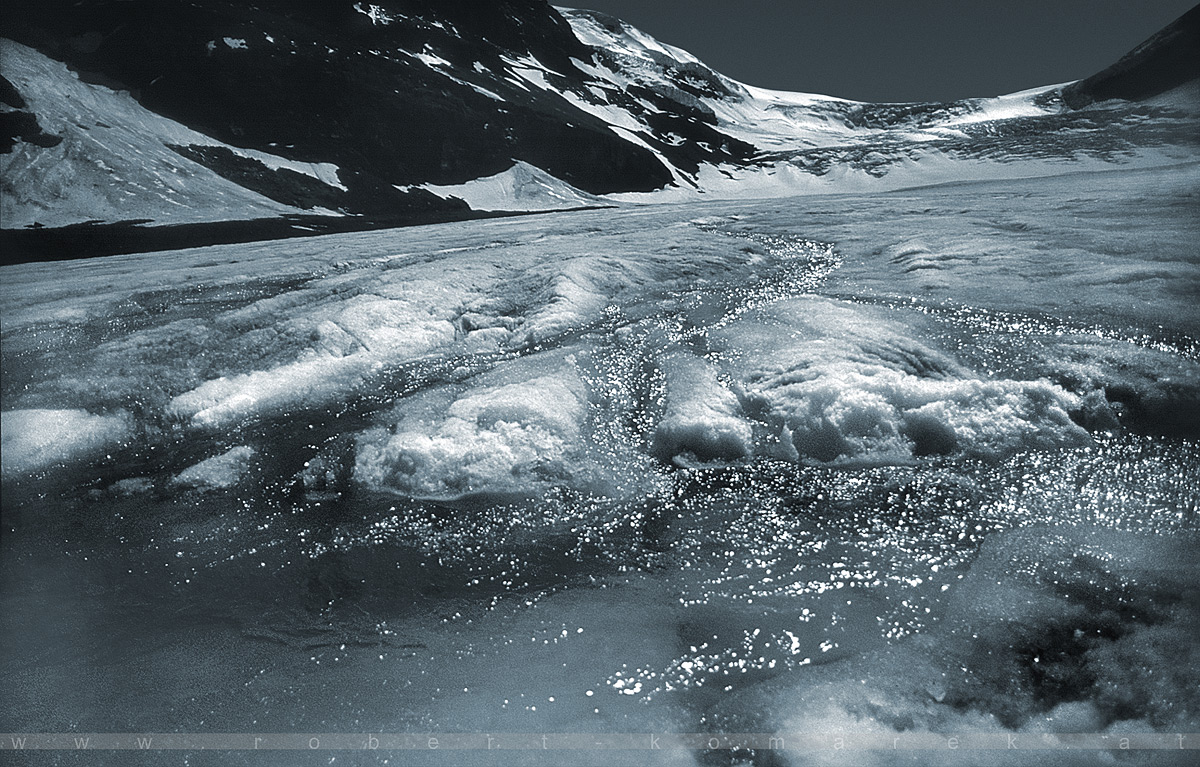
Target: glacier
908,463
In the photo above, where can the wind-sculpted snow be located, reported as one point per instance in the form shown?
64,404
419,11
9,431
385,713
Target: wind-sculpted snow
916,464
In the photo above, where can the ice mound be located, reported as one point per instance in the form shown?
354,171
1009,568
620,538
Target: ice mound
854,410
1146,387
838,383
702,417
509,438
37,439
219,472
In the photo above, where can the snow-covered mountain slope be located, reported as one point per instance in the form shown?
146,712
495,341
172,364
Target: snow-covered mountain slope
807,143
396,94
378,109
107,157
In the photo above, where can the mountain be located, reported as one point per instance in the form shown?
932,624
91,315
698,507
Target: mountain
1168,61
77,151
390,112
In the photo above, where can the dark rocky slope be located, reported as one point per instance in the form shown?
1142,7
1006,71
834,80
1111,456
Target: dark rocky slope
1168,60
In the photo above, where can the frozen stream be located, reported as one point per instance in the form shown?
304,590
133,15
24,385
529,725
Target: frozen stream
924,462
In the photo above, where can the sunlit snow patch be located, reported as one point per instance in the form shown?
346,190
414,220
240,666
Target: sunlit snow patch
521,187
114,162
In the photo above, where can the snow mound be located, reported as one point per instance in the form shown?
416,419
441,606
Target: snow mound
521,187
358,339
38,439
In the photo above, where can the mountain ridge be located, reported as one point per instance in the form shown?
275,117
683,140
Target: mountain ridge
397,103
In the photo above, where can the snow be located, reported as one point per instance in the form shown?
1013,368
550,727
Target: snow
113,163
431,60
766,118
371,302
521,187
494,439
924,168
781,123
37,439
808,143
628,40
1007,107
378,15
614,116
359,337
220,472
843,383
703,418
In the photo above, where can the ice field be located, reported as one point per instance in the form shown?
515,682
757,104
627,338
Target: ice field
923,461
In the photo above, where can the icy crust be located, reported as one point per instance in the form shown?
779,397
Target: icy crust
342,330
842,383
739,360
114,162
37,439
508,438
703,418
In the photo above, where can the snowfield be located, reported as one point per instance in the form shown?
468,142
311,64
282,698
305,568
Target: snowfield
908,464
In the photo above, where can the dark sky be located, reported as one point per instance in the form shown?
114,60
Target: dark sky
900,50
